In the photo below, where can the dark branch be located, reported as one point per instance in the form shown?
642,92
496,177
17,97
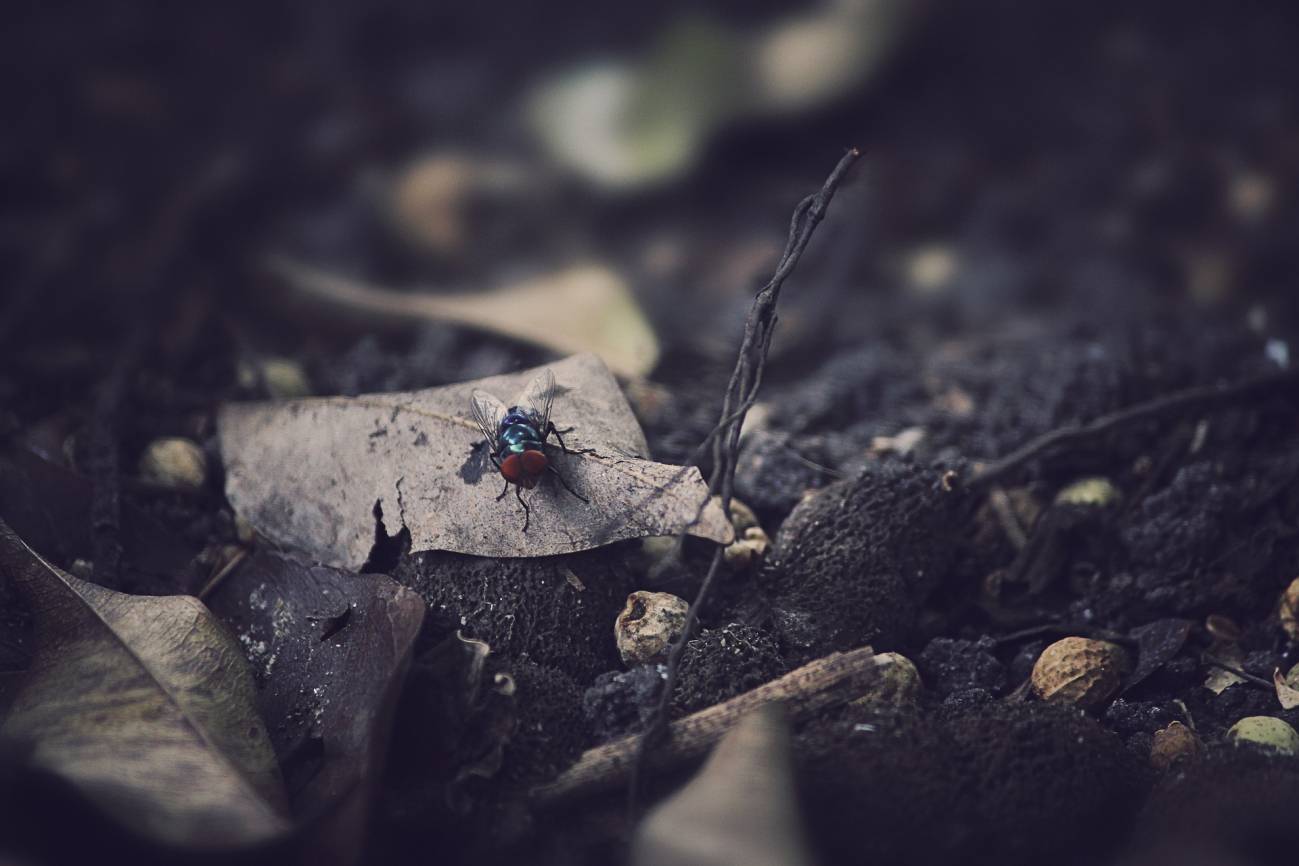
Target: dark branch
741,392
1181,402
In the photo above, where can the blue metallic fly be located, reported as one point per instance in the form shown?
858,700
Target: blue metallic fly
517,437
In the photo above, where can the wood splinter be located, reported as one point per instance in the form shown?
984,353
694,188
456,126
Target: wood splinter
833,680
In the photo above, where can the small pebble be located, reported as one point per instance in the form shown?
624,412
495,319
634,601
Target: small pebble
1265,732
174,462
648,625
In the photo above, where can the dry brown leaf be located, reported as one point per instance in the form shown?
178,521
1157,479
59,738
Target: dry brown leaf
330,649
308,473
741,808
583,308
1287,687
146,706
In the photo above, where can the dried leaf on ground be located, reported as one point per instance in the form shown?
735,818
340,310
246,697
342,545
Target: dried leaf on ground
1158,643
329,651
310,474
583,308
145,705
741,808
1219,679
1287,687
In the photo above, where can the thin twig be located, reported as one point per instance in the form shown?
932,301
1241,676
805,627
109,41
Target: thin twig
1067,630
226,570
1285,382
741,392
1216,662
1004,510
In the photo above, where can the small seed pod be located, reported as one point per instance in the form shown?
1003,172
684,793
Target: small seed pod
1265,732
1080,671
648,625
1174,744
174,462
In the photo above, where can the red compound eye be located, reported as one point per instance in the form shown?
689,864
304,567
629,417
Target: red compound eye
512,469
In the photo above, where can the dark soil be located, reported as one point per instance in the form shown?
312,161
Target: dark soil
1112,187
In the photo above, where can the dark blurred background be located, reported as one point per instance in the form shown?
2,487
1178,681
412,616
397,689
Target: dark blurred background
1052,154
1061,209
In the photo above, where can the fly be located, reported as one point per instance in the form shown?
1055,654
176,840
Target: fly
517,436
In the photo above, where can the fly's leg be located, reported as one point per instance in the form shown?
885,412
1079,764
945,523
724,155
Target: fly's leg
552,429
564,482
506,488
527,512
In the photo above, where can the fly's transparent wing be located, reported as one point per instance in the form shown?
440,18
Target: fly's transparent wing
537,398
487,412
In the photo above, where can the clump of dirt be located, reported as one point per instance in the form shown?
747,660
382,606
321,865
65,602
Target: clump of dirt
724,662
995,783
528,608
551,730
951,665
1137,721
622,702
852,564
1215,713
1218,539
771,476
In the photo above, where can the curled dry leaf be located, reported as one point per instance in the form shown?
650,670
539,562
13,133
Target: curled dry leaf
311,474
329,650
583,308
1287,687
145,705
739,809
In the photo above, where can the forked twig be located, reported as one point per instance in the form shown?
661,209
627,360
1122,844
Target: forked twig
741,392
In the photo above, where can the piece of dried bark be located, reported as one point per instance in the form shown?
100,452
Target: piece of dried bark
329,651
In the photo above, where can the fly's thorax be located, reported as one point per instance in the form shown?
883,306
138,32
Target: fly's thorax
518,438
516,415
